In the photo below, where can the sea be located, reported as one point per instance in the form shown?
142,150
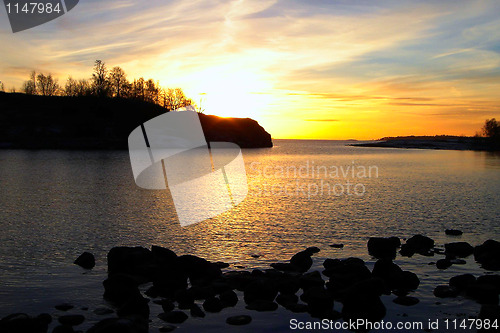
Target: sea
54,205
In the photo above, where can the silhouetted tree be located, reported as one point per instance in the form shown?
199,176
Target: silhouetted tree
118,81
2,87
138,89
175,98
491,128
151,91
46,85
100,83
29,87
71,87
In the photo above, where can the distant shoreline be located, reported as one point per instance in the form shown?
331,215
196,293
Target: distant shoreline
434,142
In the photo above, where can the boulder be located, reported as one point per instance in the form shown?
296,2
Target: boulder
262,305
136,306
85,260
312,279
64,306
302,261
228,298
213,304
163,256
135,261
453,232
488,255
366,307
120,288
173,317
71,320
417,244
458,249
262,289
196,311
198,269
483,293
443,263
21,322
383,248
120,325
462,282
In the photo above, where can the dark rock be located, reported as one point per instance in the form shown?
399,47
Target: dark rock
312,279
102,310
239,279
168,282
406,300
120,325
63,329
493,280
384,248
286,299
120,288
213,304
302,261
163,256
318,300
64,306
288,284
347,272
483,293
444,291
167,328
458,249
462,282
407,281
204,292
443,263
167,305
228,298
184,299
330,264
71,320
196,311
239,320
173,317
364,307
221,264
491,312
136,261
453,232
387,271
262,305
313,249
488,255
135,306
199,269
260,290
85,260
284,266
417,244
21,322
152,292
337,246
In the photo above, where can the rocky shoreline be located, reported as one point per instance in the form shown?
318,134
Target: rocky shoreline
185,286
438,143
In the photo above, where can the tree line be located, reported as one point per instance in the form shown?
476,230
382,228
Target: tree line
107,83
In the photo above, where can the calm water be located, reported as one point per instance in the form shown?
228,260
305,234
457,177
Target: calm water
56,204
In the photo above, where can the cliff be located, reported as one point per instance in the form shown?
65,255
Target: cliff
40,122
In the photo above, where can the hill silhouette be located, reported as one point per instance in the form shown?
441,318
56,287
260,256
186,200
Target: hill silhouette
90,122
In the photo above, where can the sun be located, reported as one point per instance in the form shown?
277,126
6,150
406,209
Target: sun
237,93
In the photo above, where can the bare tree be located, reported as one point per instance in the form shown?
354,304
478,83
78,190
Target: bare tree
118,81
2,87
29,87
100,83
151,91
175,98
46,85
71,88
491,128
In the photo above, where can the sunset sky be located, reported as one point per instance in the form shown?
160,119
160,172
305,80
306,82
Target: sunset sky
314,69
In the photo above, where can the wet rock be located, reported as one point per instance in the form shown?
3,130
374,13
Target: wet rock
184,299
489,311
163,256
488,255
286,299
137,306
204,292
407,281
384,248
71,320
21,322
228,298
136,261
260,290
346,272
363,307
167,305
64,306
337,246
417,244
443,263
102,310
284,266
312,279
173,317
199,269
288,284
196,311
239,279
387,271
167,328
302,261
483,293
221,264
462,282
318,300
262,305
152,292
453,232
458,249
213,304
168,282
85,260
313,249
122,325
444,291
120,288
493,280
239,320
406,300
